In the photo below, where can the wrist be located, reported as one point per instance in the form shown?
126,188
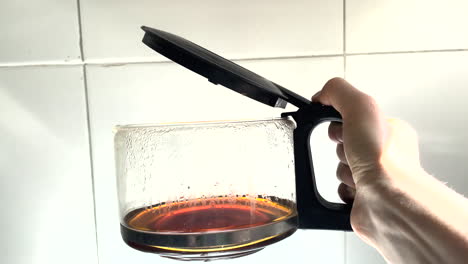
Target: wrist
401,214
380,196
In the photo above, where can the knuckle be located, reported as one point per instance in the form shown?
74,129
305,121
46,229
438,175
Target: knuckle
334,128
371,102
340,171
339,150
341,153
333,83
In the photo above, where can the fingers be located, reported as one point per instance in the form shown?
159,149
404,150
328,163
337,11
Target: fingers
364,127
335,132
346,193
341,154
344,174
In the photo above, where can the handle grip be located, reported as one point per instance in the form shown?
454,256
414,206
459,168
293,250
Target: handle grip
314,211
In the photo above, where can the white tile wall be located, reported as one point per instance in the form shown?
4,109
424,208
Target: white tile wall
429,90
45,165
358,252
162,92
39,31
237,29
45,179
402,25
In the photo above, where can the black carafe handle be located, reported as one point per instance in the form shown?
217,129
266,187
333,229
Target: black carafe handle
314,211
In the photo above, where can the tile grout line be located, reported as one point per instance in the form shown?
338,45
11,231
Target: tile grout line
88,121
80,30
103,62
118,63
42,64
403,52
288,57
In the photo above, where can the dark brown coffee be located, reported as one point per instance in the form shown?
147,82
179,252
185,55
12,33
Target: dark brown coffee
209,225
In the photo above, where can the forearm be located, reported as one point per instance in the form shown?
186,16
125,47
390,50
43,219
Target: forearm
415,219
409,216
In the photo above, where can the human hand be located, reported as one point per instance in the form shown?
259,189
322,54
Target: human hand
405,213
373,151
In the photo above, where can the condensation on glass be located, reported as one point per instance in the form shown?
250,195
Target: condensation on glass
206,190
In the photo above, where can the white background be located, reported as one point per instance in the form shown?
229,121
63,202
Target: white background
70,70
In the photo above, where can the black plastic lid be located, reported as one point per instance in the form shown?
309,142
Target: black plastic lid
219,70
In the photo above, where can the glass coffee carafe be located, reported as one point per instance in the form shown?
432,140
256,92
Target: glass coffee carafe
213,190
206,187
